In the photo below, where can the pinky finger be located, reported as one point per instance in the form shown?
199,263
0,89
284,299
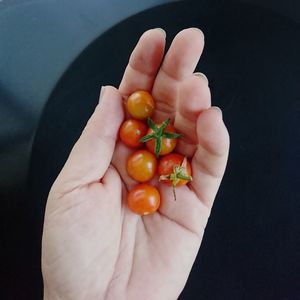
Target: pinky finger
209,161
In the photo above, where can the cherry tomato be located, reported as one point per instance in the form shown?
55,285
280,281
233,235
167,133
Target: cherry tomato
167,144
141,165
143,199
140,105
131,132
173,168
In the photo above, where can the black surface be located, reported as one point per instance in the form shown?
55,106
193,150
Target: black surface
252,242
39,39
288,8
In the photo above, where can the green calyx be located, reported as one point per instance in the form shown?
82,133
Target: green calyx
179,173
158,134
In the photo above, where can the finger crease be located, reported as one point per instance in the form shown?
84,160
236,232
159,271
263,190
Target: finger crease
199,235
205,169
141,72
204,200
170,75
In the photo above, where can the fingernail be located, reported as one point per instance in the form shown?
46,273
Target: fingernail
198,29
201,75
218,109
163,31
101,93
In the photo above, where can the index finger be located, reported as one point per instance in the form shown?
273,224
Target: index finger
144,62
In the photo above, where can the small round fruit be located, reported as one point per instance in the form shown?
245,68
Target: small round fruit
140,105
167,144
131,132
174,169
141,165
143,199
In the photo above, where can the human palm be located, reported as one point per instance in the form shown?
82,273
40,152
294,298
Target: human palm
94,247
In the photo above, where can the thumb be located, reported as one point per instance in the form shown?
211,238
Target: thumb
92,153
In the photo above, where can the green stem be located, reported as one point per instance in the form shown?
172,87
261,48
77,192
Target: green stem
158,134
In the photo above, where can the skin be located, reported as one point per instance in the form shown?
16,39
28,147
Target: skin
93,246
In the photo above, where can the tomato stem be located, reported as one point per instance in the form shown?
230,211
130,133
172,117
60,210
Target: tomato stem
147,138
174,192
184,177
158,134
179,173
151,124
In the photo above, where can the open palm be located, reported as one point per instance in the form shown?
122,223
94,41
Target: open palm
94,247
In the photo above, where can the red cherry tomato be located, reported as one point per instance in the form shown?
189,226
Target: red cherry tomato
171,164
131,132
140,105
141,165
143,199
167,144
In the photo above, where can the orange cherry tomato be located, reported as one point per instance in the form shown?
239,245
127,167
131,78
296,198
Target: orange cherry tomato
167,144
131,132
173,168
140,105
143,199
141,165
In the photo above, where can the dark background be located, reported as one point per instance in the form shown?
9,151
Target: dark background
49,85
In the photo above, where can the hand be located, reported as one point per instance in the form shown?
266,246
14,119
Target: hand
93,246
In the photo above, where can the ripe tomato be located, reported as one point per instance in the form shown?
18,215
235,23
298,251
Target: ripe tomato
174,169
143,199
140,105
131,132
141,165
167,144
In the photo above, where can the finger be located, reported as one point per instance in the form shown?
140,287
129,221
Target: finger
113,188
210,158
119,161
112,181
144,62
187,211
194,97
179,63
91,155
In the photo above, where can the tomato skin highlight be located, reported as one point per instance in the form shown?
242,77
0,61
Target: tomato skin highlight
140,105
143,199
141,165
166,167
167,144
131,131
